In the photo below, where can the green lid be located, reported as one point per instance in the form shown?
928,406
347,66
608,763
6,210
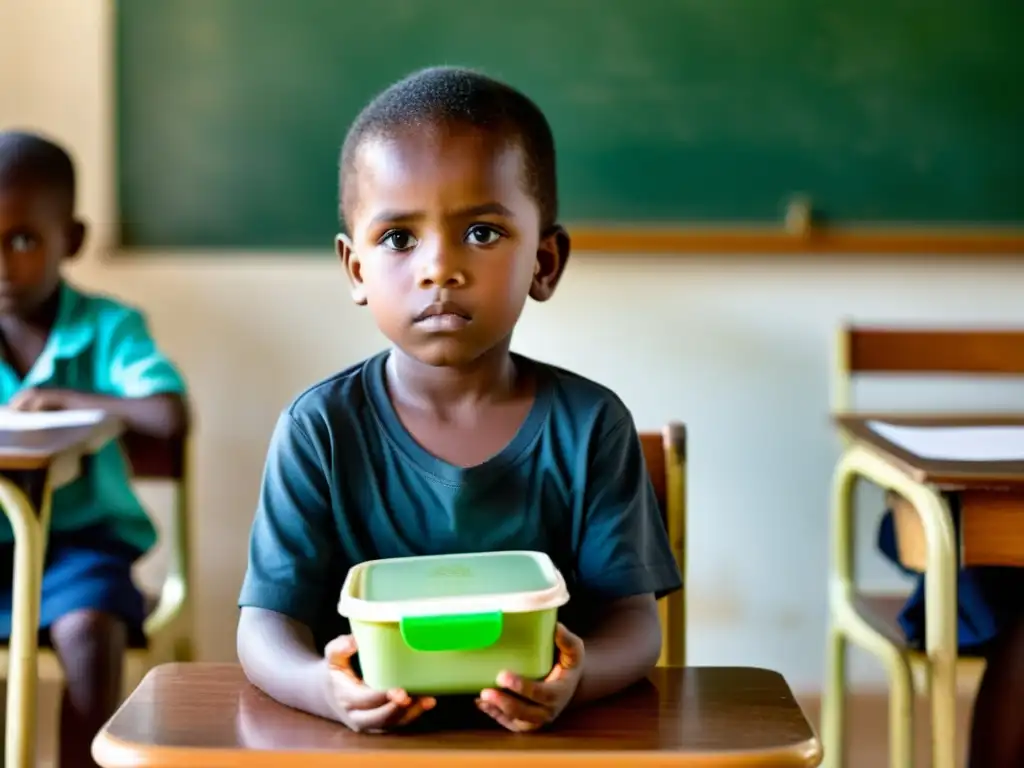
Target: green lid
453,576
477,583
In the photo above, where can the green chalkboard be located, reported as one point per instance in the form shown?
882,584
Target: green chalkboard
677,112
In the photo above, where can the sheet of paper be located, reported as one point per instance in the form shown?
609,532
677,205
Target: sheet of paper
21,421
956,443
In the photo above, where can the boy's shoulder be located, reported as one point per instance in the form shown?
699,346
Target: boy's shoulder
86,318
98,309
335,398
578,407
590,406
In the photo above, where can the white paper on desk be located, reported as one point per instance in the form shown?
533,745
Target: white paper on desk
995,443
34,421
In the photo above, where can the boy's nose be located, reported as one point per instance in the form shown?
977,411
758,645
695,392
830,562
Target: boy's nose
440,268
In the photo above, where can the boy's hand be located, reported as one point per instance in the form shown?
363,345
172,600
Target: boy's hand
44,400
545,700
359,707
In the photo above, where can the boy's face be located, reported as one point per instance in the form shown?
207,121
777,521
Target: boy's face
445,242
36,235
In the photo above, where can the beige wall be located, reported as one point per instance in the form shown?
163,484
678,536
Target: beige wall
737,347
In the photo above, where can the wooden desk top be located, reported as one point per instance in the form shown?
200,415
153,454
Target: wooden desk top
947,474
209,715
36,449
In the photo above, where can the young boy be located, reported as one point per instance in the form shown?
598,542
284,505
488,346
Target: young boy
63,349
449,442
990,624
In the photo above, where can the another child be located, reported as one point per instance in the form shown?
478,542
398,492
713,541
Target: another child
449,442
61,349
990,623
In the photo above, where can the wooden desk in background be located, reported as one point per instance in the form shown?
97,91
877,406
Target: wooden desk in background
33,464
209,715
991,493
921,468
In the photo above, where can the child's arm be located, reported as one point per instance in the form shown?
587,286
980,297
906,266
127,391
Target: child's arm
294,556
621,649
279,656
624,563
164,416
133,380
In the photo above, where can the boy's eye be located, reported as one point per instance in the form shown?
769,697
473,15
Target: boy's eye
480,234
399,240
22,243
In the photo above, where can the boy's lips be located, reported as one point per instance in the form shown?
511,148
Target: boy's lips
443,316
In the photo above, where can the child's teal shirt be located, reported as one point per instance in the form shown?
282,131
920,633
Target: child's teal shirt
345,482
100,346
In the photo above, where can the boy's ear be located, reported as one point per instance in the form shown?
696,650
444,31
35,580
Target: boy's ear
353,267
76,238
552,256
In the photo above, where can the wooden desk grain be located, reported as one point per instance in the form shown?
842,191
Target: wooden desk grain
209,715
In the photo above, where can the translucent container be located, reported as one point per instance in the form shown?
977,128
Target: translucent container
448,624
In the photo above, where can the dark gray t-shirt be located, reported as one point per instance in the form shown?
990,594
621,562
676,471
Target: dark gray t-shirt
345,482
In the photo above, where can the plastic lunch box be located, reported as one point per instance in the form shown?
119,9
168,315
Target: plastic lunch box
448,624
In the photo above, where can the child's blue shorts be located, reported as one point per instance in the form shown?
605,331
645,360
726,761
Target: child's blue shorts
990,599
85,569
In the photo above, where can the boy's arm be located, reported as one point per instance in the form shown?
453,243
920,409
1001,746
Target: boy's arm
135,382
279,657
290,548
293,550
163,416
621,649
624,563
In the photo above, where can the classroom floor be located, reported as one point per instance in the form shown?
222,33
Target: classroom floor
868,727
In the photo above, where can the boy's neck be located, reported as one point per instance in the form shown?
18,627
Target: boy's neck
40,320
490,378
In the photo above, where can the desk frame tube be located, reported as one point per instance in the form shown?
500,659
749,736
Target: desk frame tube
858,461
29,553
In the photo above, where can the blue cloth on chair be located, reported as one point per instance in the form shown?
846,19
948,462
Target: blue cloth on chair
85,569
988,598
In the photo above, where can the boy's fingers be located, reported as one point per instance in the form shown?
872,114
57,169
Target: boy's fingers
375,719
529,689
570,654
24,402
570,647
418,708
390,715
515,709
354,695
504,720
339,652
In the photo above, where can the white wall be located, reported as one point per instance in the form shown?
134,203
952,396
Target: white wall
736,347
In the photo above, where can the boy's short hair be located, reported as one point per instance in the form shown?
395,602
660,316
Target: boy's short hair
460,96
28,158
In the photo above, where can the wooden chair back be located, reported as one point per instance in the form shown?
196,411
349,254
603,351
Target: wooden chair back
924,352
665,456
153,459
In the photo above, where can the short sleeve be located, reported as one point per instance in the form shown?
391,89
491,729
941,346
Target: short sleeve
624,549
133,365
291,545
